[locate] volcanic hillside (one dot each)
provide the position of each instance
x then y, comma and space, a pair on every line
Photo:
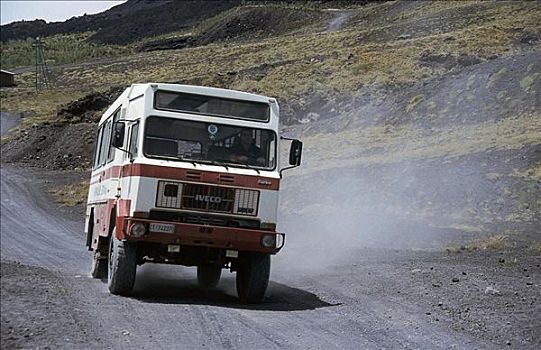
124, 23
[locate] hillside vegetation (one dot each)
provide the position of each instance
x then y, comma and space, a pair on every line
60, 49
384, 46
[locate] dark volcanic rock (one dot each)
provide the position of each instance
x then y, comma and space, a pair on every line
167, 44
89, 107
259, 22
243, 24
124, 23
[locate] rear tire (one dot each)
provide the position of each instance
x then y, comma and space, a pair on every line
208, 276
253, 274
122, 266
99, 266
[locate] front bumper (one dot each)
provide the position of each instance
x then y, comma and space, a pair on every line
232, 238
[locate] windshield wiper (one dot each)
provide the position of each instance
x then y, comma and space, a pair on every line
177, 158
215, 162
246, 166
189, 161
239, 165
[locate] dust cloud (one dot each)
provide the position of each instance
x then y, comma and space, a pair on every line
346, 211
447, 183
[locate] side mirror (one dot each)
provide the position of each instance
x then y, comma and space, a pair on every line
119, 129
295, 153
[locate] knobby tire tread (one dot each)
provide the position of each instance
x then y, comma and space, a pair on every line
123, 278
253, 278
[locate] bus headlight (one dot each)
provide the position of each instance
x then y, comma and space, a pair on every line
137, 230
268, 241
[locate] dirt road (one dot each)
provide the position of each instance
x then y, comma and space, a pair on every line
8, 121
339, 18
367, 299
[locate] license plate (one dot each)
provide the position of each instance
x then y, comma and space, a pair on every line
173, 248
231, 254
161, 228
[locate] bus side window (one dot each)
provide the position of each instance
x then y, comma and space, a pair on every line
105, 140
97, 147
111, 149
134, 137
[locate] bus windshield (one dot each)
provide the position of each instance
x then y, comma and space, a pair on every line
212, 143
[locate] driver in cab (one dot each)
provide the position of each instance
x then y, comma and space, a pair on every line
245, 151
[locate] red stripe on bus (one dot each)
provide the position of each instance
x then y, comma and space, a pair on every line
161, 172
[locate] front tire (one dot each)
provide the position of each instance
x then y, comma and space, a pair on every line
122, 266
208, 276
253, 274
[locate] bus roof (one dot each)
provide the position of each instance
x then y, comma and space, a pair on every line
204, 90
138, 89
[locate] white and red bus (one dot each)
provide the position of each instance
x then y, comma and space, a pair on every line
187, 175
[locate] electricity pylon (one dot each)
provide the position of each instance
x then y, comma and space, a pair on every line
42, 72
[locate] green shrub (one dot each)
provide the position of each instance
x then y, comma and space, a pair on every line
59, 49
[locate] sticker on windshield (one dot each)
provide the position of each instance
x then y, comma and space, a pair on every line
213, 130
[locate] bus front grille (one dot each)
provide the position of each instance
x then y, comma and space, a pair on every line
201, 197
208, 198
